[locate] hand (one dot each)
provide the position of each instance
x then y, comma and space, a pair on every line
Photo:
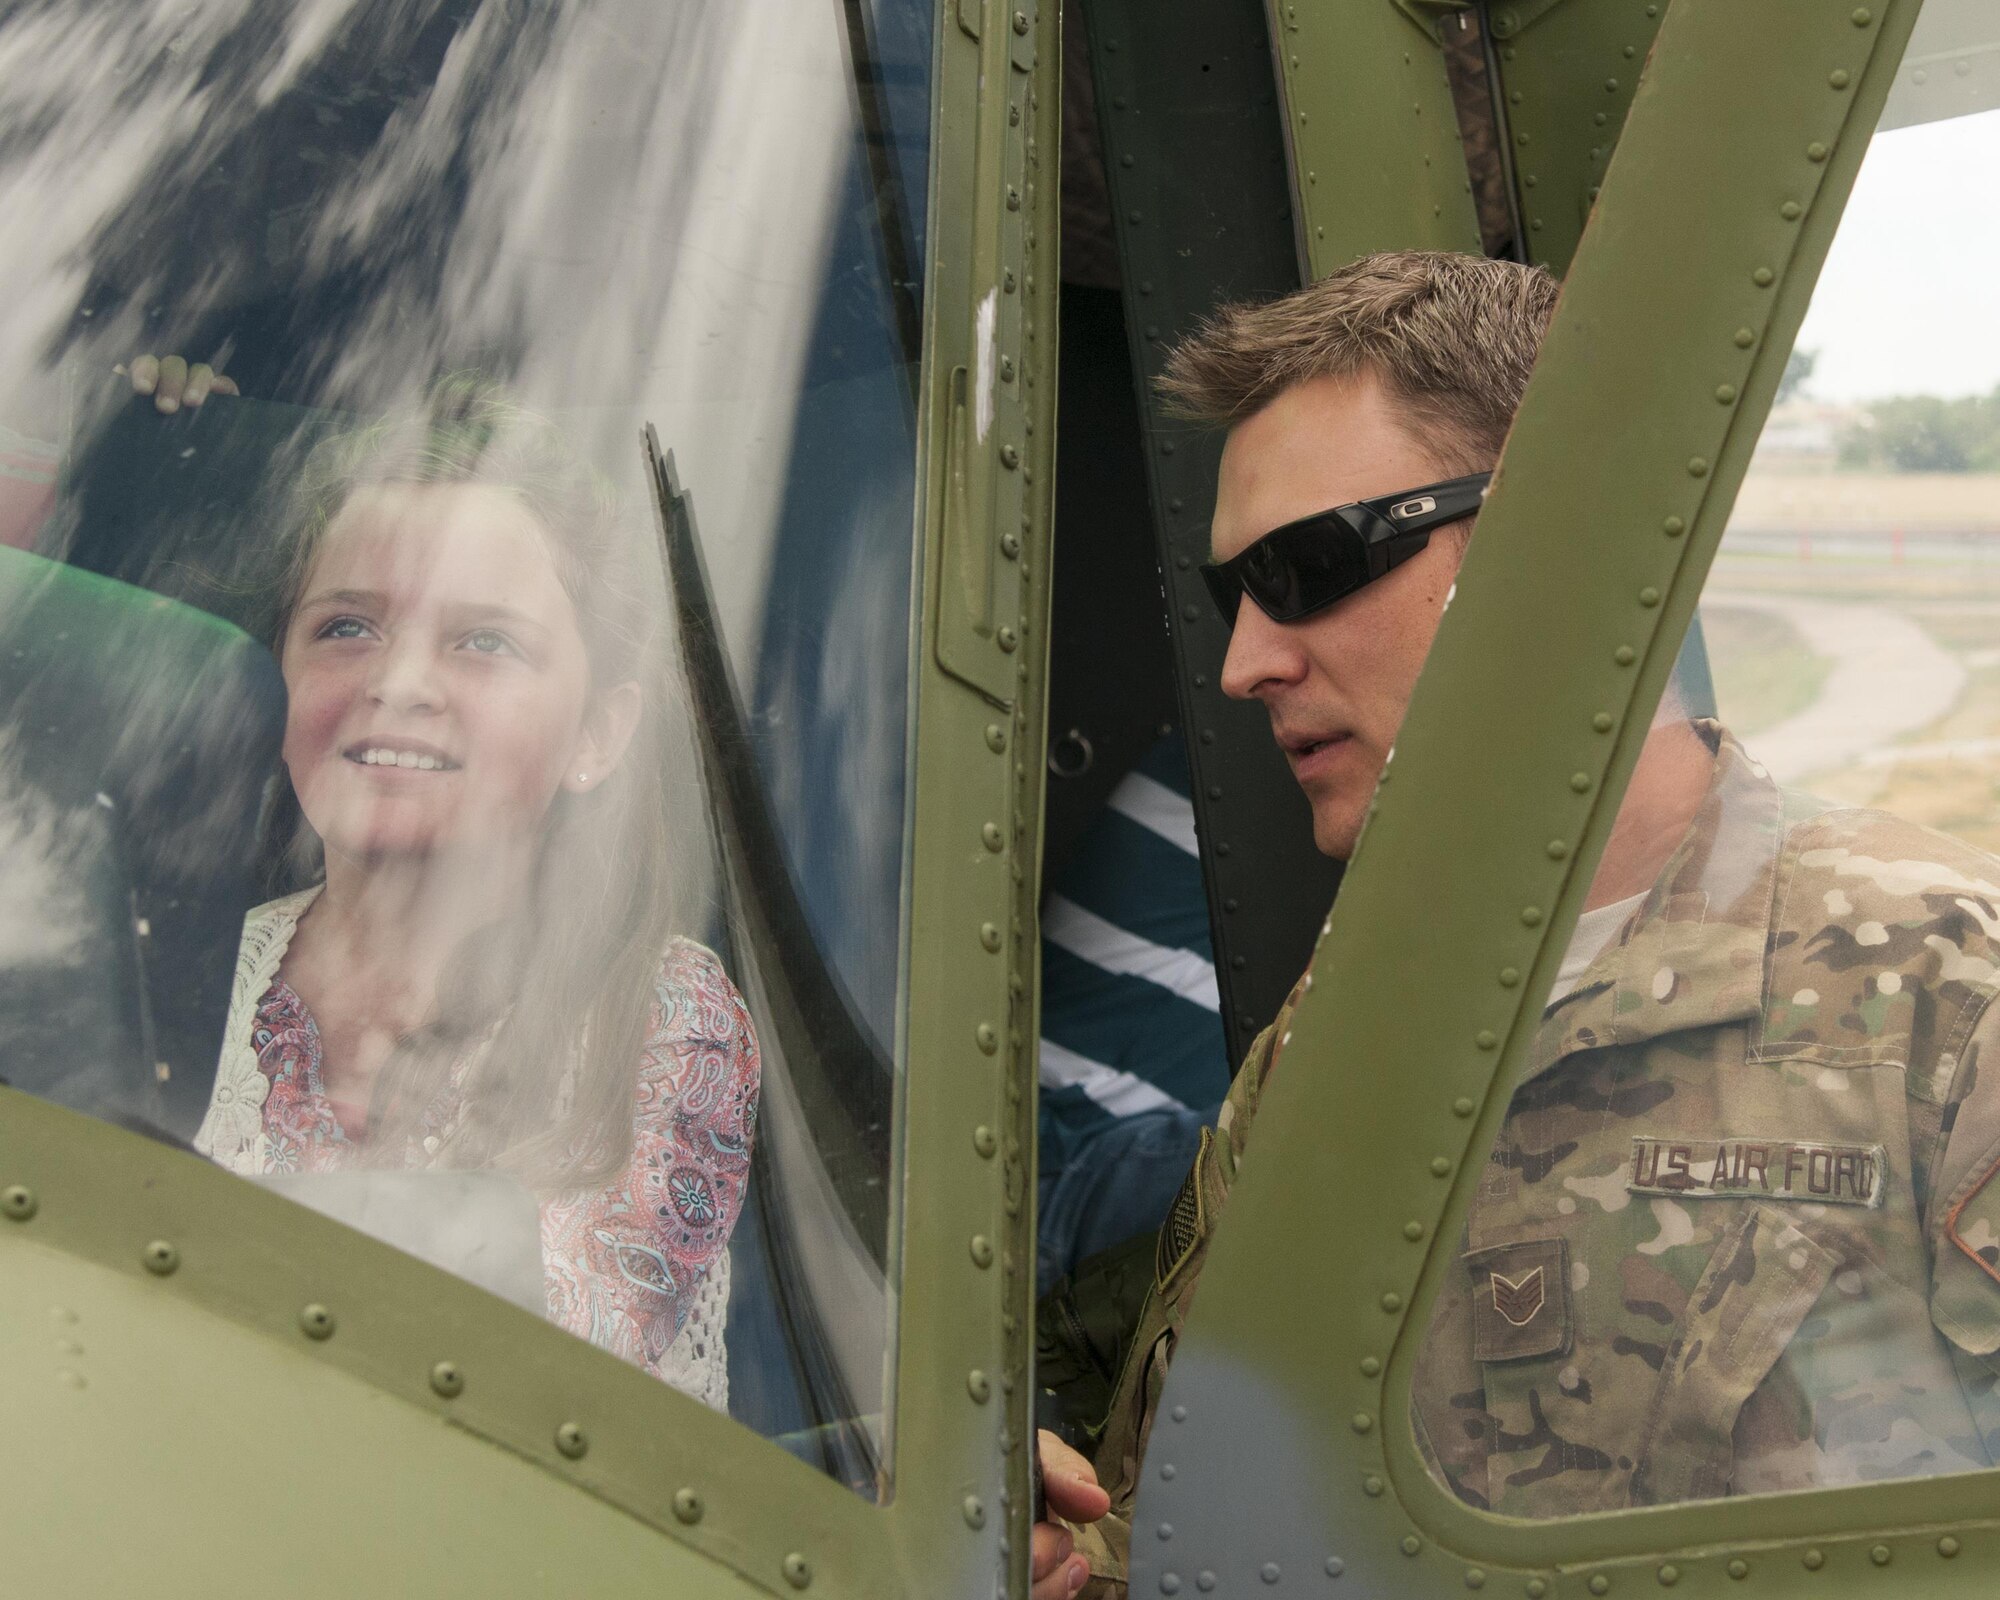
1072, 1490
173, 383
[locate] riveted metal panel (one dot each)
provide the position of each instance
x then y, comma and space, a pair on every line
1285, 1459
1567, 74
1193, 151
540, 1465
1376, 158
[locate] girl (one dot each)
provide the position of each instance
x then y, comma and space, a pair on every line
480, 972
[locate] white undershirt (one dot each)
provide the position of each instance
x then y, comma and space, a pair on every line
1594, 930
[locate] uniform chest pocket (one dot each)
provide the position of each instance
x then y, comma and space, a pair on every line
1763, 1278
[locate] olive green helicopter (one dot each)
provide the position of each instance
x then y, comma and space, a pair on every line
494, 489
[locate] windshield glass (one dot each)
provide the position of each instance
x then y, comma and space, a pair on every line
457, 515
1739, 1233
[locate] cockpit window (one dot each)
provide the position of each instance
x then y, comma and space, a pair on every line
456, 543
1738, 1232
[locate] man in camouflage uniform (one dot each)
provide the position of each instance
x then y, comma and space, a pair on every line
1739, 1232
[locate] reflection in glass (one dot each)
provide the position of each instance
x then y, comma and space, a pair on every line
1739, 1232
455, 257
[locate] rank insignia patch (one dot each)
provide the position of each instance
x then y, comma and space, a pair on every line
1759, 1169
1518, 1299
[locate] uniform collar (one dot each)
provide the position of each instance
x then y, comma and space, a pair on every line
1692, 955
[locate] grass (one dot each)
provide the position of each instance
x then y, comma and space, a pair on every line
1764, 669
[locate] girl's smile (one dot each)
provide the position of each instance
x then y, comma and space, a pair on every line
440, 687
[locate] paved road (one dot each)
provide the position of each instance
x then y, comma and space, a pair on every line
1889, 678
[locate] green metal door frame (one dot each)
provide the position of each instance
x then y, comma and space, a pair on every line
209, 1307
1686, 292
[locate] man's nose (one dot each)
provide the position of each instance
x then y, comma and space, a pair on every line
1262, 655
406, 677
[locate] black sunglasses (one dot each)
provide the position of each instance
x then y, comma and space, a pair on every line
1305, 566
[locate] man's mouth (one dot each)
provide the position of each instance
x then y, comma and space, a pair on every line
1303, 747
408, 755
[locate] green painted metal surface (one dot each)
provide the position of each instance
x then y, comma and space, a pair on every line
216, 1445
1376, 158
1688, 280
1567, 75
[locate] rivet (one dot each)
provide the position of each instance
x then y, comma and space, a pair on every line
1610, 85
1413, 1230
1370, 1366
1815, 151
1486, 1039
988, 1039
1463, 1106
1010, 544
1363, 1422
1335, 1566
1580, 782
1135, 217
1697, 466
991, 835
1009, 456
572, 1441
1170, 1583
1791, 211
975, 1511
1880, 1555
1006, 638
1509, 976
1166, 447
1813, 1560
1763, 277
1411, 1544
1440, 1167
1861, 17
447, 1380
1475, 1577
1947, 1546
1739, 1568
1557, 849
1649, 597
687, 1505
18, 1202
798, 1571
1624, 655
1166, 1472
982, 1250
1371, 1486
1603, 722
989, 938
1179, 1413
1269, 1572
160, 1257
984, 1141
996, 737
1537, 1587
1531, 916
1837, 79
1392, 1302
979, 1386
1190, 612
1205, 1581
1669, 1575
1600, 1584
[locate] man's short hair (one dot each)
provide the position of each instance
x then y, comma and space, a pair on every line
1451, 337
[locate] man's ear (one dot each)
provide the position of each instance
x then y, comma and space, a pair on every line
607, 733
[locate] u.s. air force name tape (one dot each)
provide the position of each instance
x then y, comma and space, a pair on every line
1751, 1169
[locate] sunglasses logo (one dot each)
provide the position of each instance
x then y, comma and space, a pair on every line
1413, 508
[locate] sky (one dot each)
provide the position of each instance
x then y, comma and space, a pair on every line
1909, 300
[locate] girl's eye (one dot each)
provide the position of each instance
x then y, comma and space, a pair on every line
343, 628
488, 642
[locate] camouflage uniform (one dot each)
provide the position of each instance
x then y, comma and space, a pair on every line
1739, 1231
